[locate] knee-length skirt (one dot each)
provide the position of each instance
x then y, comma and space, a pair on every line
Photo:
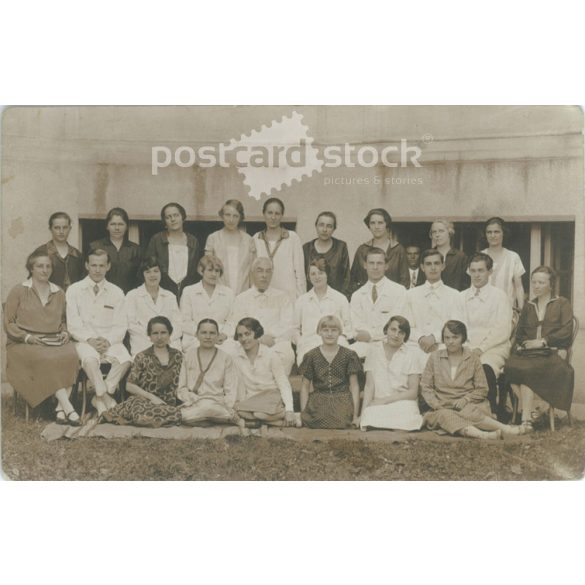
38, 371
453, 421
402, 415
551, 377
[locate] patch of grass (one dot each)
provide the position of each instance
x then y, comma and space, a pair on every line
542, 456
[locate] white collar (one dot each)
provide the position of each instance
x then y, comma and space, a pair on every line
433, 287
53, 288
313, 295
89, 283
483, 292
162, 292
379, 285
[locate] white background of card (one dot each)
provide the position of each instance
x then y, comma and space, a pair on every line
343, 53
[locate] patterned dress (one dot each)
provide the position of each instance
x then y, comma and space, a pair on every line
149, 374
330, 404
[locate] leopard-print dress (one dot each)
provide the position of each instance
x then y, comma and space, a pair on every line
149, 374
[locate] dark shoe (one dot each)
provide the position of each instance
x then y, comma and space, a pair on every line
60, 418
74, 422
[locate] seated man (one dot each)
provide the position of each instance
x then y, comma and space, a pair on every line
67, 260
430, 305
487, 313
375, 302
417, 276
96, 319
271, 306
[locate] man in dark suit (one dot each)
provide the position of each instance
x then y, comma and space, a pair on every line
417, 276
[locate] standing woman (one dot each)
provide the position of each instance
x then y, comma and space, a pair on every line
233, 246
379, 222
535, 371
124, 255
334, 251
455, 272
147, 301
152, 383
176, 251
508, 268
284, 248
40, 360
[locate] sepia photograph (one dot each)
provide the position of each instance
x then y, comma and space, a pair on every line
304, 292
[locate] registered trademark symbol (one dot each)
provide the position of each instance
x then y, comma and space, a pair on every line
427, 138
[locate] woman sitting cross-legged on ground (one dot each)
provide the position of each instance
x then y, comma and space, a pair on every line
40, 360
153, 382
208, 383
455, 387
265, 394
539, 376
332, 370
392, 380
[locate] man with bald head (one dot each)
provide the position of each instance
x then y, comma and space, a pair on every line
271, 306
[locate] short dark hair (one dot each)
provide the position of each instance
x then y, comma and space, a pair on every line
40, 253
97, 252
207, 320
160, 320
482, 257
431, 252
321, 264
172, 204
148, 263
118, 211
59, 215
456, 328
375, 251
328, 214
378, 211
273, 200
237, 205
403, 325
552, 275
251, 324
499, 221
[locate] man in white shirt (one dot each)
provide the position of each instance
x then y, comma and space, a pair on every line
430, 305
487, 313
415, 271
96, 319
272, 307
375, 302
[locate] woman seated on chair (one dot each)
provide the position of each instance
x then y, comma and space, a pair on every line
455, 388
40, 360
392, 379
152, 383
208, 383
265, 394
539, 376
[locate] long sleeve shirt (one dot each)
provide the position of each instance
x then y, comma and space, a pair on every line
428, 306
273, 308
140, 309
219, 383
266, 373
556, 328
370, 316
102, 315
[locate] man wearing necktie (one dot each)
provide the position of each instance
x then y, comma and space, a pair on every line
97, 321
269, 305
488, 316
430, 305
417, 276
375, 302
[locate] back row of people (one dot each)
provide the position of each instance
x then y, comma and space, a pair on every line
178, 253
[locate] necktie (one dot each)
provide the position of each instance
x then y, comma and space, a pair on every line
96, 289
374, 294
413, 279
477, 291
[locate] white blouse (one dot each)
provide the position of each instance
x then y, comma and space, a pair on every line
178, 262
505, 270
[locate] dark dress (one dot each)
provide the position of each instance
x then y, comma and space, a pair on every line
397, 266
455, 272
549, 376
66, 270
159, 248
125, 263
338, 259
330, 405
149, 374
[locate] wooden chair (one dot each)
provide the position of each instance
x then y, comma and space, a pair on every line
567, 355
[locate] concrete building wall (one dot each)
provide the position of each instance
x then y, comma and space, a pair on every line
523, 163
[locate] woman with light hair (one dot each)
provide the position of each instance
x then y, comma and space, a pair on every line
455, 272
233, 246
330, 389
